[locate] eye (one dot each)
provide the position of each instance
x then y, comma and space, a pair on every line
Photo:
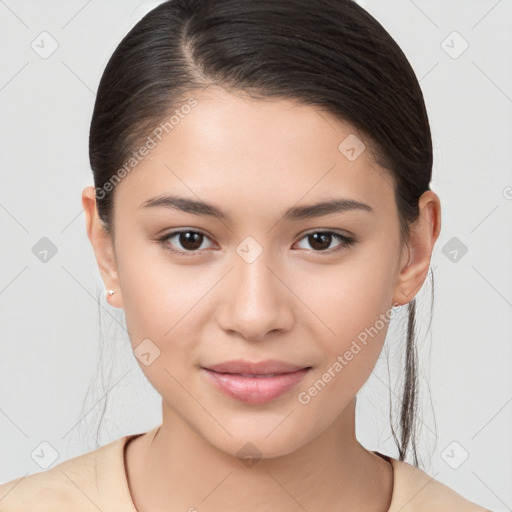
188, 239
191, 241
321, 240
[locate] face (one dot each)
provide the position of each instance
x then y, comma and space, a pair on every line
261, 275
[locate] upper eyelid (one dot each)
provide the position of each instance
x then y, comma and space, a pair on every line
197, 230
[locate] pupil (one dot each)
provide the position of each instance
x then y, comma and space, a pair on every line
326, 238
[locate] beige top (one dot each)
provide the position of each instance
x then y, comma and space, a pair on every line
96, 481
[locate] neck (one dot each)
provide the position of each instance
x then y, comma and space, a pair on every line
177, 469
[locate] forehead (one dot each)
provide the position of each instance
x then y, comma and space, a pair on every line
257, 153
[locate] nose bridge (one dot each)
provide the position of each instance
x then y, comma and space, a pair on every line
257, 301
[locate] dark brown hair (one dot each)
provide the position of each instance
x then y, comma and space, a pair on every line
330, 54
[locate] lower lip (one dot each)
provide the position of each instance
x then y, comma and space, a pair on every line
255, 390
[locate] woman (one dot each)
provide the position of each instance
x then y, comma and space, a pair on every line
261, 208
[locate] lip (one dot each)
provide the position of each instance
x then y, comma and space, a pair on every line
255, 382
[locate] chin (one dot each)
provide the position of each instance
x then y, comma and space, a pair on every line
255, 443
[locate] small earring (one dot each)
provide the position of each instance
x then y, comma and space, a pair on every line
110, 292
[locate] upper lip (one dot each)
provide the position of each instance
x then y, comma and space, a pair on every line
254, 368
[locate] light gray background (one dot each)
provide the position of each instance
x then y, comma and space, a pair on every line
50, 312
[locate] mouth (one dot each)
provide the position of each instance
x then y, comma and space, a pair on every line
242, 367
255, 383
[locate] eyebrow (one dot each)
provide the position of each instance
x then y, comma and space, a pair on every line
294, 213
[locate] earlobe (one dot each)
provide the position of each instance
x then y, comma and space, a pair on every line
102, 244
423, 236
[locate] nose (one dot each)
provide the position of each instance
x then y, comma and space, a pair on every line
255, 300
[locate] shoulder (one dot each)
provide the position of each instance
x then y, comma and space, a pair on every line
85, 483
415, 491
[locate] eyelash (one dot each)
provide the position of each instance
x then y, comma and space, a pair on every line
347, 241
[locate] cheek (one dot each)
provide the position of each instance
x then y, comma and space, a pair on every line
352, 306
350, 295
163, 311
160, 297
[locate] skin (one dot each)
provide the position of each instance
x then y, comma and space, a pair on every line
254, 159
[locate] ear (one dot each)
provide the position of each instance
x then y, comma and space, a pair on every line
418, 251
103, 247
